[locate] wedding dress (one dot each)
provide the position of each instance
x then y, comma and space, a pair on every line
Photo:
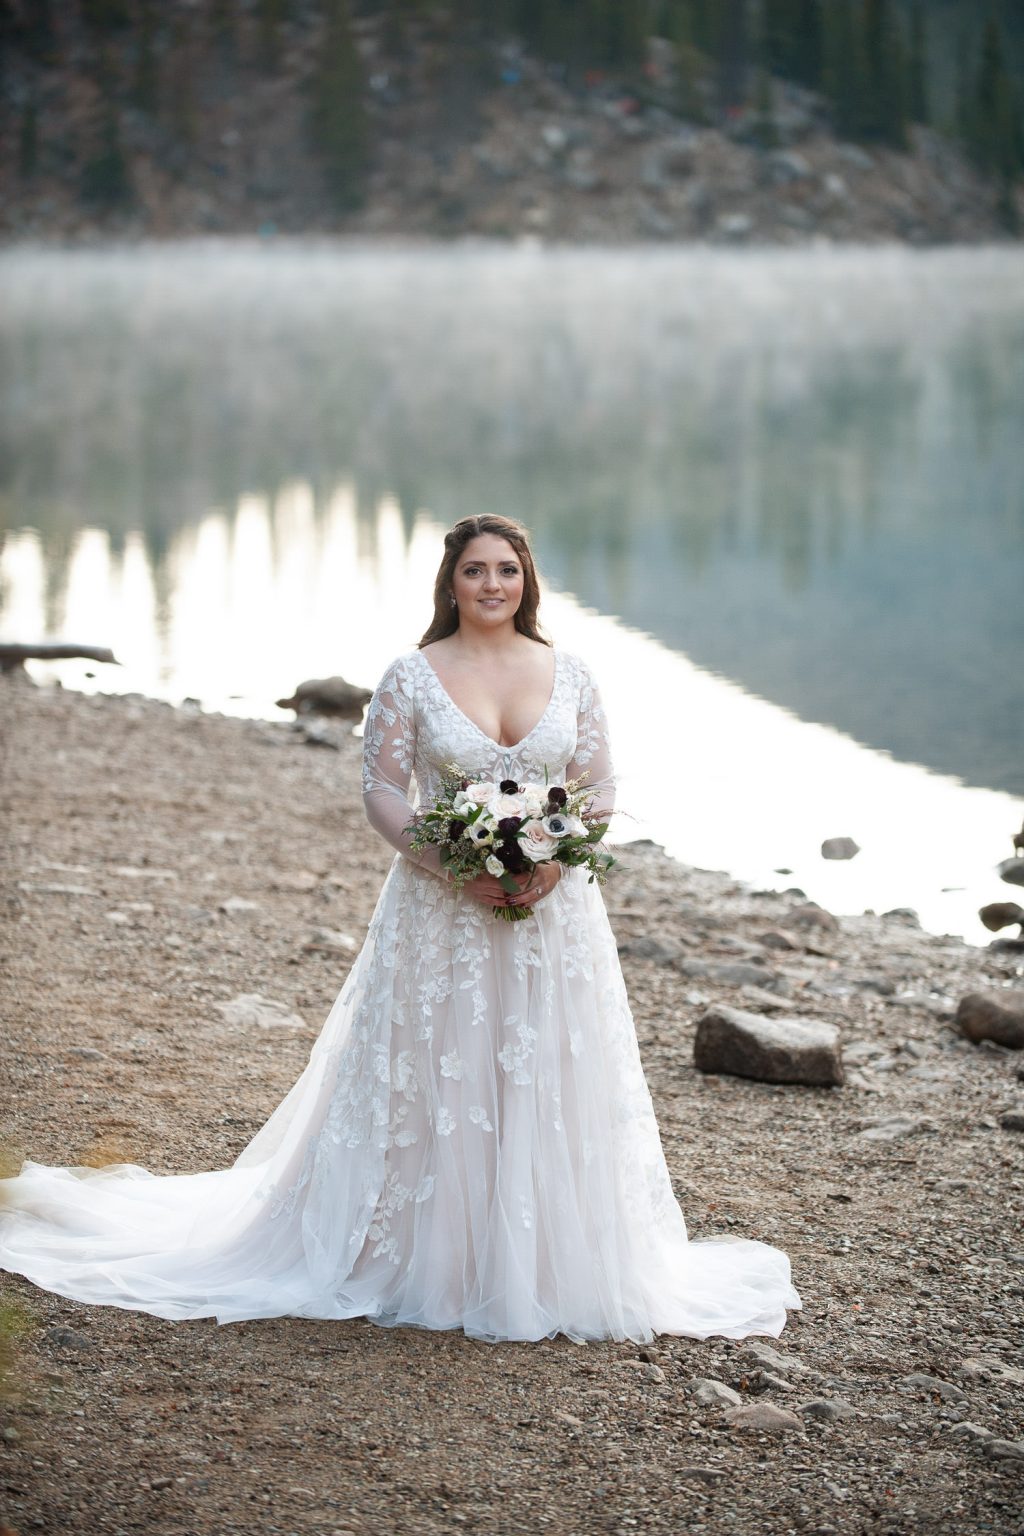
472, 1143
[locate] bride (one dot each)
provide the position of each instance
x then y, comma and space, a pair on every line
472, 1143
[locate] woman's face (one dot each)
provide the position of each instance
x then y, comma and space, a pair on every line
487, 581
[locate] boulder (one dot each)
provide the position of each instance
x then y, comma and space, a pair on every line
714, 1394
250, 1009
782, 1050
810, 915
996, 1016
839, 848
1012, 871
327, 696
763, 1416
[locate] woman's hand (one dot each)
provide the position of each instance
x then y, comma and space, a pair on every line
539, 882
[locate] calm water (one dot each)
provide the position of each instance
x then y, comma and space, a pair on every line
778, 497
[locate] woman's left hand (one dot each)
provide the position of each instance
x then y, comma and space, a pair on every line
540, 882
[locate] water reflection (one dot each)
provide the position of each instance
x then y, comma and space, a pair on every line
803, 470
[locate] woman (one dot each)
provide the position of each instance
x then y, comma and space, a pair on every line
472, 1143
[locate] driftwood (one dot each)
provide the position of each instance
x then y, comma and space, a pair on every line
13, 655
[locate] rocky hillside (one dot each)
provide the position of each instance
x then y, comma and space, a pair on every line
206, 133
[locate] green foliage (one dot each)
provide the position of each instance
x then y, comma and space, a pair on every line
338, 120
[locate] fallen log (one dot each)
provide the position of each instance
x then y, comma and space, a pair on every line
14, 655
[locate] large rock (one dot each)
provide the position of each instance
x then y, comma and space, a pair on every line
1012, 871
763, 1416
769, 1050
997, 1016
327, 696
839, 848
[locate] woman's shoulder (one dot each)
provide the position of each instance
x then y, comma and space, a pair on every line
400, 672
575, 666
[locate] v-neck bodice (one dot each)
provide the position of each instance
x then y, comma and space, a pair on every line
500, 745
414, 729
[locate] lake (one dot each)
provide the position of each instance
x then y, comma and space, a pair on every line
777, 497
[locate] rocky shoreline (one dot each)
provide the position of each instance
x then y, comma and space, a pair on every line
162, 864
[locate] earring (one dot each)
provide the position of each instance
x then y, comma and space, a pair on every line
451, 599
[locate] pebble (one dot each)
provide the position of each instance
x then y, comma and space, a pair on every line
1012, 1120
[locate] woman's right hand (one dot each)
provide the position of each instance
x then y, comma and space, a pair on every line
486, 888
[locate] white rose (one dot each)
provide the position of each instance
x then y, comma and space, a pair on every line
536, 842
482, 793
507, 805
494, 866
534, 800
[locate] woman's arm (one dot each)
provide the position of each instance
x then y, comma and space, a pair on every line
389, 749
593, 754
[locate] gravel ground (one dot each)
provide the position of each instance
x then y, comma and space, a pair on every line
896, 1394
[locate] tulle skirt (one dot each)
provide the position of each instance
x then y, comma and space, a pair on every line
472, 1145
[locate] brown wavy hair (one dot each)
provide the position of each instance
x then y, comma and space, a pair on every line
446, 618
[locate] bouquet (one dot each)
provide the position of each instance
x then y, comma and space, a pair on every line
507, 829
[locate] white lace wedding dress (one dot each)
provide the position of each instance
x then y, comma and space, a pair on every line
472, 1143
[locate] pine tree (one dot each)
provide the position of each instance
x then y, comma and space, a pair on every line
766, 132
776, 34
993, 131
731, 54
28, 141
106, 15
40, 32
106, 180
843, 67
883, 99
338, 120
689, 96
184, 116
806, 58
145, 88
271, 15
917, 67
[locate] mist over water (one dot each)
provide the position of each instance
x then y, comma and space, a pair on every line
800, 471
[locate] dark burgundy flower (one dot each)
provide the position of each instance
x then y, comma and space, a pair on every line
513, 858
557, 796
455, 830
508, 826
509, 787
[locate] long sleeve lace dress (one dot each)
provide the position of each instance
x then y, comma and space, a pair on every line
472, 1143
